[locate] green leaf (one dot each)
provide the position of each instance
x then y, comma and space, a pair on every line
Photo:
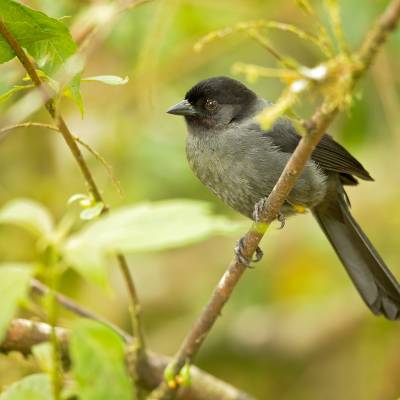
73, 91
46, 39
28, 214
43, 354
107, 79
17, 88
153, 226
32, 387
98, 362
14, 283
90, 263
145, 227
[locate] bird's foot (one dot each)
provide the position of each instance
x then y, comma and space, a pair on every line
259, 255
258, 208
282, 219
245, 260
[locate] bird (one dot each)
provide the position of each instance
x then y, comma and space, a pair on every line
240, 163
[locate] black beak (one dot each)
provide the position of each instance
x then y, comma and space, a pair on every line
182, 108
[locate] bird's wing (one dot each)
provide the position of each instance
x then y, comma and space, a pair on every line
328, 154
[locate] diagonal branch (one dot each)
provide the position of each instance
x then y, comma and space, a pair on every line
314, 128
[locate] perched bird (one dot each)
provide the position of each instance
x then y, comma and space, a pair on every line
240, 163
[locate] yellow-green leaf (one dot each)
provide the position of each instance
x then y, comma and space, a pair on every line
29, 215
32, 387
98, 362
14, 283
46, 39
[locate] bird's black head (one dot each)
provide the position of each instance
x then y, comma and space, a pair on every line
215, 101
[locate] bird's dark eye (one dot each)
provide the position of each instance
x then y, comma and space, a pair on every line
211, 105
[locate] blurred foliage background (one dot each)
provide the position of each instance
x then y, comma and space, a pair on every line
295, 327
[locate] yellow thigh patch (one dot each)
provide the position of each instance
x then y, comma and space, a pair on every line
299, 208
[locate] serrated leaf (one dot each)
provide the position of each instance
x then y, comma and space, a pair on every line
15, 89
29, 215
46, 39
107, 79
14, 283
98, 362
32, 387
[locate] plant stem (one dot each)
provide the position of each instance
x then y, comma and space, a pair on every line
51, 273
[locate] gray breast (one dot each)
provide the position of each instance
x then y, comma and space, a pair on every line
242, 167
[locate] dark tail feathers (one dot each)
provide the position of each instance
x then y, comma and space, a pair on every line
372, 278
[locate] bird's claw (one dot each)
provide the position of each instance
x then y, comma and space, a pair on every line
258, 208
282, 219
245, 260
259, 255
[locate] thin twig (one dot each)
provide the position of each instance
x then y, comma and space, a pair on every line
4, 132
94, 27
107, 166
134, 306
268, 25
306, 6
7, 129
315, 127
263, 42
88, 33
334, 12
41, 289
50, 106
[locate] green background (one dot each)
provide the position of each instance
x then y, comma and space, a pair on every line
295, 327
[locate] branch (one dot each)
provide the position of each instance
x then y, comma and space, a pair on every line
134, 306
23, 334
315, 127
42, 290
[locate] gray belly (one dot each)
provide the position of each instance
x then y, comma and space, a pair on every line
242, 172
